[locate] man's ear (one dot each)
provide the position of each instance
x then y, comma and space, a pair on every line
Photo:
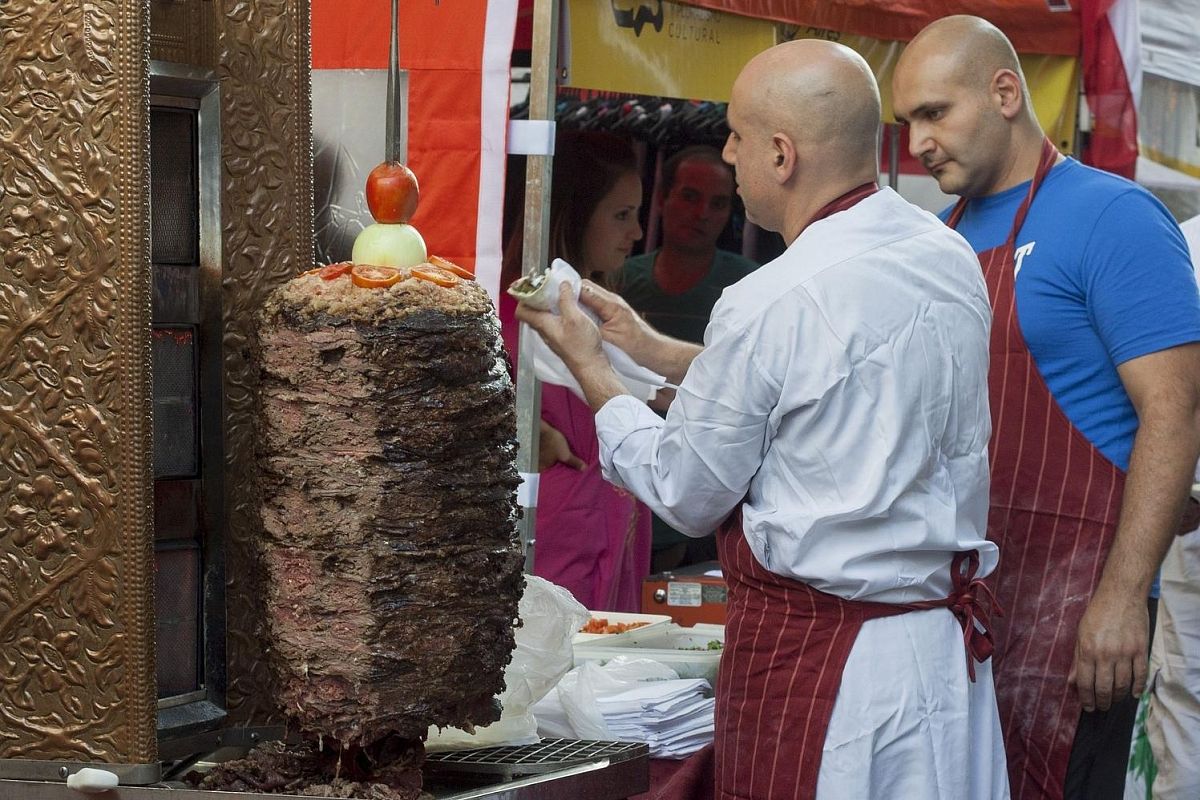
1008, 93
786, 157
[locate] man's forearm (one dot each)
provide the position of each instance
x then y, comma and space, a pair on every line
598, 381
669, 357
1157, 485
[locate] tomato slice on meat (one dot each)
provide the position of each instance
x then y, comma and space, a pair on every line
433, 274
450, 266
331, 271
369, 277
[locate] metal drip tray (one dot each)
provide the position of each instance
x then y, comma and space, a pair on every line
555, 769
549, 755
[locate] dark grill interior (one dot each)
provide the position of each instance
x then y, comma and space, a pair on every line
175, 344
173, 193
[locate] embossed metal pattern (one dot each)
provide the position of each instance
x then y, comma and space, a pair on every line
264, 64
76, 605
182, 31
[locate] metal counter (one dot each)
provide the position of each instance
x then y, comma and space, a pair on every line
555, 769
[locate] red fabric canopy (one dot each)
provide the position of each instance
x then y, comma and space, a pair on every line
1078, 28
1059, 27
1032, 25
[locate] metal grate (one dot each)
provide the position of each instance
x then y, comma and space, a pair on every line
174, 198
533, 759
173, 356
177, 612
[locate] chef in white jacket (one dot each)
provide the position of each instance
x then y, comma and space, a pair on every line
834, 429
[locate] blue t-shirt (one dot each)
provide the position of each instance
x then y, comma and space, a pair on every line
1103, 277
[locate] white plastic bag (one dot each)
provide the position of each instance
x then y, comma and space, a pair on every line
571, 711
550, 616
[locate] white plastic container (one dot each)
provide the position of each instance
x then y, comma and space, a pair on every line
669, 645
652, 623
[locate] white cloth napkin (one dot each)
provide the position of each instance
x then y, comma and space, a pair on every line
642, 383
631, 699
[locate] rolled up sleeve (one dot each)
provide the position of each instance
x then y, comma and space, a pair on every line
694, 467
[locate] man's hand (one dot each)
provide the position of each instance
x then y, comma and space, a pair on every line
619, 323
622, 326
1110, 653
554, 449
570, 334
575, 339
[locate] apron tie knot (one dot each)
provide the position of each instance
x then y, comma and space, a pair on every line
974, 616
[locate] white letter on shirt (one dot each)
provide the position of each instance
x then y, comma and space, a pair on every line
1020, 254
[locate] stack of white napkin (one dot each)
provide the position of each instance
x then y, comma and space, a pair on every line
630, 700
674, 717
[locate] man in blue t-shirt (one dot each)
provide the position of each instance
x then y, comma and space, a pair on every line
1093, 290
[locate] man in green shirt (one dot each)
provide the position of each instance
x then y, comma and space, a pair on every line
676, 286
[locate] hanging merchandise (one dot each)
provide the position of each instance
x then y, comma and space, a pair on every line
665, 123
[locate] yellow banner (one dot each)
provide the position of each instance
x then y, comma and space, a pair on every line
1053, 81
658, 48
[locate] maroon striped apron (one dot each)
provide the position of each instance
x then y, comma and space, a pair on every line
786, 645
1055, 500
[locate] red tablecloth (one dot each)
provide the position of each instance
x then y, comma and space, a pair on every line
690, 779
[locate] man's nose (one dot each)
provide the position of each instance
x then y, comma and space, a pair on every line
919, 141
727, 152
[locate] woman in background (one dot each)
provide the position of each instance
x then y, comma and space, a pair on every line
592, 538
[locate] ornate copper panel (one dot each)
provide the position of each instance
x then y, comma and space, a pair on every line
264, 62
183, 31
76, 605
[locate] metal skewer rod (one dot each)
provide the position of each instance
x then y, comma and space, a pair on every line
396, 144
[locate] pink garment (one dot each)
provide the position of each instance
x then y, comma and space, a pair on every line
592, 538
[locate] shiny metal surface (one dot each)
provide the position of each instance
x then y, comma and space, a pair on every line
264, 62
76, 567
349, 111
548, 755
396, 131
605, 779
19, 769
600, 780
206, 742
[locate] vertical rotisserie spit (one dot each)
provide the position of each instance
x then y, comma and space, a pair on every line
386, 449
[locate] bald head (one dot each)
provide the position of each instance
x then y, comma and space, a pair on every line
963, 50
821, 94
804, 129
959, 88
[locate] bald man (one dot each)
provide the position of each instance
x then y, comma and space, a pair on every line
1095, 398
833, 430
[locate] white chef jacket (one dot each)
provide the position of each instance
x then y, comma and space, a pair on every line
842, 392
